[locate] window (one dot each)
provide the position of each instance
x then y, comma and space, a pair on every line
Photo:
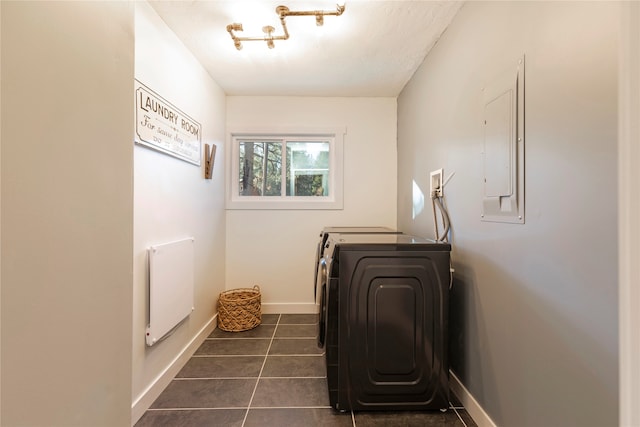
285, 171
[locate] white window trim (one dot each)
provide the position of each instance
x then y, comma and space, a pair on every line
336, 153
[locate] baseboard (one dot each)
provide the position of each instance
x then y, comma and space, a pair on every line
151, 393
472, 406
290, 308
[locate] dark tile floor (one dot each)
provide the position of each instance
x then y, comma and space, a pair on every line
273, 375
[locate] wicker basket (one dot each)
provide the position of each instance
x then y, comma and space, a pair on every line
239, 309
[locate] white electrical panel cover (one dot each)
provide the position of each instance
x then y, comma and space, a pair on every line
503, 147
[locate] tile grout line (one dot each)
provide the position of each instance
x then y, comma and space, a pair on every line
225, 355
257, 355
298, 354
291, 407
245, 378
224, 408
257, 338
264, 362
459, 417
197, 408
214, 378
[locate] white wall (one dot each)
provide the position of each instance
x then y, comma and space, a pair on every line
67, 204
172, 200
629, 214
0, 223
534, 306
276, 249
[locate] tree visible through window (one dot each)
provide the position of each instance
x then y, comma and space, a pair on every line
260, 168
306, 168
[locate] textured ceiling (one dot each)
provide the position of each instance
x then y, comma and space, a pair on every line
373, 49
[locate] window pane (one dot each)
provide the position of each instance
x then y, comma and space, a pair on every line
308, 168
260, 168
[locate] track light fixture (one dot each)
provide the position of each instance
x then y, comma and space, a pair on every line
283, 12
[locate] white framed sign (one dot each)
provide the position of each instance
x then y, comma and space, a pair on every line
164, 127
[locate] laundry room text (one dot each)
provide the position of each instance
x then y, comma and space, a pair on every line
162, 126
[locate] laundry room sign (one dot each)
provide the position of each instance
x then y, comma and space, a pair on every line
162, 126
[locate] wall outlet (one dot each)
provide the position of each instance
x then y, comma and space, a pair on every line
436, 183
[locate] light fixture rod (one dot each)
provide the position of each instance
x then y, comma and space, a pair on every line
339, 11
283, 12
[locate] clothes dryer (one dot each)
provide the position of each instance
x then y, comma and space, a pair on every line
386, 310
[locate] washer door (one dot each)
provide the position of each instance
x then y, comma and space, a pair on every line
316, 267
321, 296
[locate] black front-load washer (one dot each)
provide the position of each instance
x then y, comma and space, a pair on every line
320, 264
386, 322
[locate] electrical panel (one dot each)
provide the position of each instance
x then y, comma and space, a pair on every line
503, 147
